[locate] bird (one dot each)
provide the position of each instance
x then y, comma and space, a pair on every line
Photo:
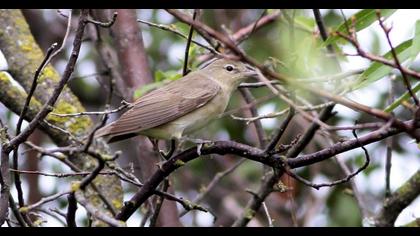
183, 106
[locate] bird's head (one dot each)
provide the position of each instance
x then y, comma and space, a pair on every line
229, 72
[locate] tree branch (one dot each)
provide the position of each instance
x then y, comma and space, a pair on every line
398, 201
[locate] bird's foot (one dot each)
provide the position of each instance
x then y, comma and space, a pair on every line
162, 153
160, 164
168, 154
199, 142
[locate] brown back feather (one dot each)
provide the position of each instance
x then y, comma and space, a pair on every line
163, 105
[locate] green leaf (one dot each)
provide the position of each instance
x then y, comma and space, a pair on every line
402, 98
376, 43
159, 76
168, 75
181, 27
415, 49
363, 19
305, 22
147, 88
378, 70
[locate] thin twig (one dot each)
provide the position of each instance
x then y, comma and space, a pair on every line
104, 24
187, 47
60, 175
216, 179
159, 203
18, 183
33, 87
60, 157
16, 212
257, 199
307, 80
43, 201
177, 32
146, 215
274, 141
101, 164
340, 181
257, 84
290, 102
94, 113
66, 35
68, 133
51, 212
395, 56
324, 35
249, 98
92, 134
282, 112
389, 144
360, 200
372, 125
267, 214
247, 106
254, 27
375, 58
244, 33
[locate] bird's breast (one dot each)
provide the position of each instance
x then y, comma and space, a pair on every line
203, 115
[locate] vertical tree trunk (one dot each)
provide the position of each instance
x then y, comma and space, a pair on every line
134, 72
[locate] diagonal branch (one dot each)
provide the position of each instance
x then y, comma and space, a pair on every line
398, 201
249, 152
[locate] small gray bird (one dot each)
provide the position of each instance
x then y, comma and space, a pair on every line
182, 106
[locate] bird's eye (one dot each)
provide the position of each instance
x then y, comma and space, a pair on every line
229, 67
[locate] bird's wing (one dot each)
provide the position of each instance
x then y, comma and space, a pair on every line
164, 105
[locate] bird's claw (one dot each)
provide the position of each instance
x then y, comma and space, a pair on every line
199, 146
163, 153
199, 142
160, 164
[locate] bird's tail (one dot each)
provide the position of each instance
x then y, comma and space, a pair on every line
110, 137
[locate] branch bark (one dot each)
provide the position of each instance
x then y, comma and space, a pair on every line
398, 201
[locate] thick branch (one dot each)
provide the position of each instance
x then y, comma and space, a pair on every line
398, 201
249, 152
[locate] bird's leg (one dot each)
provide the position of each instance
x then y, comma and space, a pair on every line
199, 142
170, 152
166, 156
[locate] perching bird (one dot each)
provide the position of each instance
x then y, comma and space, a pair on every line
182, 106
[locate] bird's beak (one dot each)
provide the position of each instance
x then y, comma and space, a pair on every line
250, 72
